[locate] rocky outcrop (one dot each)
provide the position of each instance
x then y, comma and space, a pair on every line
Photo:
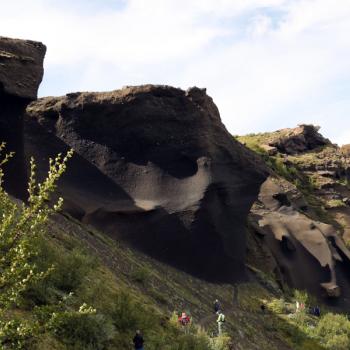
154, 167
301, 139
308, 254
21, 71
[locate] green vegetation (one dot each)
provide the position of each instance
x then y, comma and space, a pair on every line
335, 203
334, 331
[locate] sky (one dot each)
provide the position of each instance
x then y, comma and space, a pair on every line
268, 64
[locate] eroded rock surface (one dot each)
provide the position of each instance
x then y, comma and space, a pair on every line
21, 71
155, 167
309, 254
21, 67
296, 140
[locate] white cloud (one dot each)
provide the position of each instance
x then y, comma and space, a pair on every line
267, 63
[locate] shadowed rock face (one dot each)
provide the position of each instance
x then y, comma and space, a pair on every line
154, 166
21, 67
21, 71
309, 254
297, 140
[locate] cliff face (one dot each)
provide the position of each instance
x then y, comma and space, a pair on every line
303, 215
154, 167
21, 71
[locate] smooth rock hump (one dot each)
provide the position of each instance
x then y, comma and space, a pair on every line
155, 167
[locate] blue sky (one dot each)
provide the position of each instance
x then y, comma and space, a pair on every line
268, 64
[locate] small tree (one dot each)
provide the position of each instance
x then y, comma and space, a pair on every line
20, 225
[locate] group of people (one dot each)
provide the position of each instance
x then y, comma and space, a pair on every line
312, 310
185, 320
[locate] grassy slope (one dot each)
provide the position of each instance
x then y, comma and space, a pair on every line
155, 290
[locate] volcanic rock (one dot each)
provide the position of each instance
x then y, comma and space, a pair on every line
301, 139
21, 67
271, 151
21, 71
154, 167
310, 255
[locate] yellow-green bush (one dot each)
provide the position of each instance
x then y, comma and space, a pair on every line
334, 331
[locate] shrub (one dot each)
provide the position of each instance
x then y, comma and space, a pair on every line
301, 296
222, 342
129, 315
334, 331
16, 335
141, 275
192, 342
85, 329
68, 272
277, 306
20, 226
335, 203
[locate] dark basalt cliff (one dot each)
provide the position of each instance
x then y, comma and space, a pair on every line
155, 167
21, 71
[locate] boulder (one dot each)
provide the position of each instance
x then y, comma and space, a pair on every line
154, 167
270, 150
298, 140
21, 71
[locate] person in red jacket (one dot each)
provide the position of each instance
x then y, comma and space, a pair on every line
184, 319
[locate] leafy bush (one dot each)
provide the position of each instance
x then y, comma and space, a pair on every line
85, 329
301, 296
16, 335
69, 270
20, 226
277, 306
129, 315
334, 331
141, 275
222, 342
335, 203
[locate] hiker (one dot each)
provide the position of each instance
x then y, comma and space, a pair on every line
184, 319
138, 341
317, 311
263, 308
220, 321
217, 306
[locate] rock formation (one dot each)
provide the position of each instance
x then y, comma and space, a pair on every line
21, 71
303, 215
155, 167
309, 254
301, 139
